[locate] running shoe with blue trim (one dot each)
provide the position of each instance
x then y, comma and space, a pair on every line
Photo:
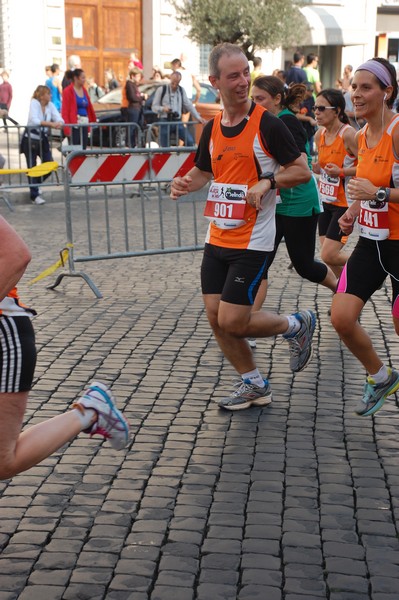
375, 394
111, 423
300, 344
247, 394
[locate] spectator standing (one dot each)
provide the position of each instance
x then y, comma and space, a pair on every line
55, 86
295, 73
189, 83
111, 83
134, 60
74, 62
77, 108
94, 90
132, 103
312, 73
170, 102
280, 75
307, 117
157, 74
5, 92
256, 71
347, 78
35, 143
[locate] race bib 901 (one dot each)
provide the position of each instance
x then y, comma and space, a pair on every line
225, 205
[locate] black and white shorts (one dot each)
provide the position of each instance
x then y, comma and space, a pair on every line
17, 354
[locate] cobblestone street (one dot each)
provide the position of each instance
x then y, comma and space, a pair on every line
295, 501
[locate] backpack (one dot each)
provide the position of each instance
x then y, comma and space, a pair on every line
150, 99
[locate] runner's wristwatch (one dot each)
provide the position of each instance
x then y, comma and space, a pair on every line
270, 176
382, 194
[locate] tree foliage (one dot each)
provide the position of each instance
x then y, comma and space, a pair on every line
252, 24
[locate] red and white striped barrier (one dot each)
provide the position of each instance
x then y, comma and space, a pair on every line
121, 168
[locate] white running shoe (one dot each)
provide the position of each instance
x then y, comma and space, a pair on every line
251, 342
111, 423
247, 394
38, 200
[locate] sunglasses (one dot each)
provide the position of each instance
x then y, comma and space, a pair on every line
323, 108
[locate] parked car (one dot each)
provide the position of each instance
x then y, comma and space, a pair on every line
108, 110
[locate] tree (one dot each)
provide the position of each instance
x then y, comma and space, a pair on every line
252, 24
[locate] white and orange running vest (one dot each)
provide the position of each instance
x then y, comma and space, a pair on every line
331, 189
380, 166
235, 160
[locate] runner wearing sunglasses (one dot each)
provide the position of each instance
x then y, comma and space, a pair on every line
337, 151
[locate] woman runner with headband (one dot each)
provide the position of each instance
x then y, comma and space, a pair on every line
376, 206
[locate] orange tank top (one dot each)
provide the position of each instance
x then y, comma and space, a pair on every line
380, 166
334, 153
235, 160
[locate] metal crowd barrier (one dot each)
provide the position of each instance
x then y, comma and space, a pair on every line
173, 133
117, 206
102, 136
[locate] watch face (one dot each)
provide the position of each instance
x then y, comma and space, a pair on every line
380, 198
381, 195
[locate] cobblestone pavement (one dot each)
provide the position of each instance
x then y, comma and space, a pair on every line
295, 501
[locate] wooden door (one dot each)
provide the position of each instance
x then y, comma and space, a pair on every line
103, 33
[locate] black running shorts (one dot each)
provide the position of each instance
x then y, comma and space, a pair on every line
234, 274
328, 222
367, 268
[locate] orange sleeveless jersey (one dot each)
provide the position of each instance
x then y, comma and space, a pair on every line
336, 153
381, 167
234, 160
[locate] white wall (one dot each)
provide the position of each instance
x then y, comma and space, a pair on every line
174, 41
34, 25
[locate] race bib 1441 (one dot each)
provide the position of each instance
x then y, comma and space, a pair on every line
373, 222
